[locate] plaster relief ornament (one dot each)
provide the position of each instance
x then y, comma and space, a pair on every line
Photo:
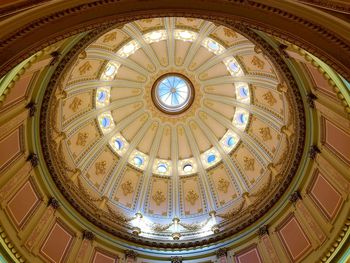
270, 99
110, 37
127, 188
192, 197
265, 133
82, 138
159, 119
258, 62
223, 185
101, 167
158, 197
248, 163
75, 104
229, 33
85, 68
148, 20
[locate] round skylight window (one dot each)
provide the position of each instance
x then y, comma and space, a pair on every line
188, 168
173, 93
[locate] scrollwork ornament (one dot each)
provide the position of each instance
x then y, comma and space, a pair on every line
194, 226
314, 150
310, 98
234, 212
222, 252
130, 254
31, 106
88, 235
160, 228
118, 216
33, 159
53, 202
294, 197
56, 56
263, 230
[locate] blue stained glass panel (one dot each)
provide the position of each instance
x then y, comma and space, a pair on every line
211, 158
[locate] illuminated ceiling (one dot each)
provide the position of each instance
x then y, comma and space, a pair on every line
205, 162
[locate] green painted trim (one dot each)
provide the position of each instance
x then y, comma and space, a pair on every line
5, 253
2, 260
346, 257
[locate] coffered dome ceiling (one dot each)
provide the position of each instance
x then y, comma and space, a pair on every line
172, 130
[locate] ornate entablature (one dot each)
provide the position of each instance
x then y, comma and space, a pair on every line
173, 129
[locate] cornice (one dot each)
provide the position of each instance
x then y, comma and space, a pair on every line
327, 4
327, 54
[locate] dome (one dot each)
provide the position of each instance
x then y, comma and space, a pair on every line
172, 130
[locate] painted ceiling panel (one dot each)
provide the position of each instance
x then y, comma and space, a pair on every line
111, 40
141, 58
181, 49
125, 73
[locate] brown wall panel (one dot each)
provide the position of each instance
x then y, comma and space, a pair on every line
325, 196
57, 243
10, 148
250, 255
23, 204
337, 140
294, 238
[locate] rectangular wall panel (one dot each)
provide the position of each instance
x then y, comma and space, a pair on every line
19, 91
23, 204
336, 140
250, 255
101, 256
320, 82
10, 148
294, 238
325, 196
57, 243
